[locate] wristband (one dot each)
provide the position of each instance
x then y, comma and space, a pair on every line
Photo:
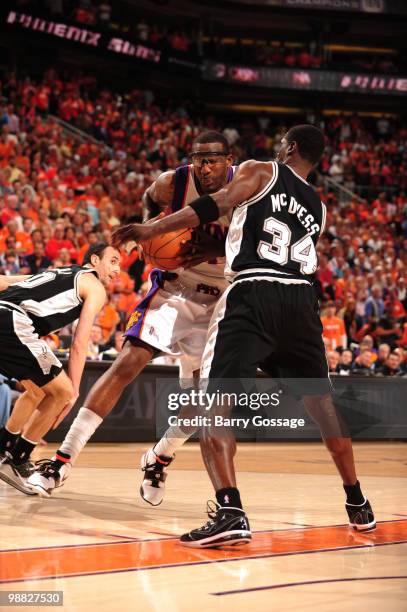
206, 209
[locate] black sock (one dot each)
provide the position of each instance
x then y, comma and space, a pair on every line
22, 450
7, 439
60, 459
228, 497
353, 494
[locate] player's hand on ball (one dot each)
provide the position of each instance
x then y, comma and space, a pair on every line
134, 231
202, 247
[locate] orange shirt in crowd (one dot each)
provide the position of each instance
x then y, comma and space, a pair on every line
124, 286
333, 332
82, 252
23, 241
108, 320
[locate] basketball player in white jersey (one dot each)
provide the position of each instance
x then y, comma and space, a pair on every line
172, 318
32, 307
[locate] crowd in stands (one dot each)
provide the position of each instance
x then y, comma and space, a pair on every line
200, 39
59, 194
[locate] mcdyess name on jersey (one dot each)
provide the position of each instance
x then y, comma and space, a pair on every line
279, 201
243, 423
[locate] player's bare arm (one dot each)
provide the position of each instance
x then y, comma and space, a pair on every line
6, 281
158, 196
250, 178
93, 295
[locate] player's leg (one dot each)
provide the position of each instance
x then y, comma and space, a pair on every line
156, 460
188, 335
307, 352
17, 468
322, 410
23, 409
235, 344
99, 402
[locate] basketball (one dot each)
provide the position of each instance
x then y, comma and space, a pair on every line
163, 251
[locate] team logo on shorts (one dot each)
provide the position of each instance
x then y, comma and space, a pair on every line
133, 319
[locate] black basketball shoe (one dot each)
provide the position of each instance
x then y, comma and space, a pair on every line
226, 527
361, 517
16, 475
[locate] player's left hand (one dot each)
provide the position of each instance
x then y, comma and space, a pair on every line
202, 247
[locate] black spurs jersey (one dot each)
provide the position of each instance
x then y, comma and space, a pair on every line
274, 233
49, 299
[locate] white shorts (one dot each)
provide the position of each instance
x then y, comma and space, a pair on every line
174, 316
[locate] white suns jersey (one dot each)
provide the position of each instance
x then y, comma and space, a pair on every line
207, 274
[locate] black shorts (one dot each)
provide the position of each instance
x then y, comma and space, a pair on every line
267, 324
23, 355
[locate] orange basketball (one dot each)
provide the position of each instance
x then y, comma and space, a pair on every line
163, 251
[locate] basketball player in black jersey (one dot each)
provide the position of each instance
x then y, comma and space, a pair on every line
269, 315
35, 306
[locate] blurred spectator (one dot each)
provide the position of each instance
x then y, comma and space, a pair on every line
363, 364
107, 320
333, 328
382, 355
391, 366
388, 331
333, 361
345, 363
37, 261
374, 306
95, 342
352, 321
58, 242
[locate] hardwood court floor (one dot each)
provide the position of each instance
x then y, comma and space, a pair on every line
107, 550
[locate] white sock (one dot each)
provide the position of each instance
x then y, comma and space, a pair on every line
171, 441
82, 428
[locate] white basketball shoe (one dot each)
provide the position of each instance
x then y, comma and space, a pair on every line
155, 472
49, 475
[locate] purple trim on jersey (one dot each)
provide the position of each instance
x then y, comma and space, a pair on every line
231, 172
180, 185
136, 319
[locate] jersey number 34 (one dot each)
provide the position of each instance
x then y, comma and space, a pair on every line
280, 249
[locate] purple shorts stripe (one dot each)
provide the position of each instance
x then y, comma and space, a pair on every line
180, 185
135, 322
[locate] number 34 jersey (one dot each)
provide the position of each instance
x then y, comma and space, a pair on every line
275, 233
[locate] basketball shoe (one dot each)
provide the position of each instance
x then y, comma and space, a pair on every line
155, 472
14, 474
49, 474
226, 527
361, 517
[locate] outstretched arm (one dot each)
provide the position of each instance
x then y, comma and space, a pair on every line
6, 281
249, 179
